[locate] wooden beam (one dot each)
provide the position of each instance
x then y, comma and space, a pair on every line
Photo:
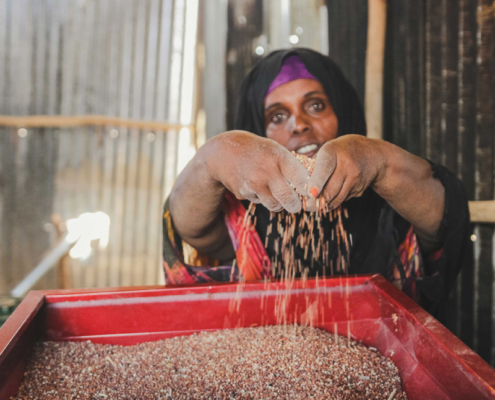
375, 55
63, 267
58, 121
482, 211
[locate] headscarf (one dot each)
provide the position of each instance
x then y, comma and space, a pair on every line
292, 69
250, 114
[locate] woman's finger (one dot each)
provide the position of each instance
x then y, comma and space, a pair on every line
292, 169
342, 195
262, 197
285, 194
268, 200
357, 191
334, 186
311, 204
325, 165
249, 194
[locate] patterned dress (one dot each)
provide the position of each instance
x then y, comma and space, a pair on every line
184, 265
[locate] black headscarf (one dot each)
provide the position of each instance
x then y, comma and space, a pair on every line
250, 114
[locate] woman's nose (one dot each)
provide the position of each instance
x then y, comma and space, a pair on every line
299, 125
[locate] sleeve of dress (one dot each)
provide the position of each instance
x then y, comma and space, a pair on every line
182, 264
456, 251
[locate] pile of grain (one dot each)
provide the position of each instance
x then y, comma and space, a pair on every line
251, 363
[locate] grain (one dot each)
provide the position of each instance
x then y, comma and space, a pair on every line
272, 362
309, 235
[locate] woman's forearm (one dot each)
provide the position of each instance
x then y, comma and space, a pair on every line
406, 182
195, 206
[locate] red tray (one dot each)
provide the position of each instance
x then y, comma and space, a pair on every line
433, 363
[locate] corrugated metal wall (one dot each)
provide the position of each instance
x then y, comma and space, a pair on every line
347, 21
245, 24
122, 58
72, 171
440, 104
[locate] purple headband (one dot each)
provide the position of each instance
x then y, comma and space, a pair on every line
292, 69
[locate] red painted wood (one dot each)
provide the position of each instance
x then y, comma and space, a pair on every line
17, 335
455, 367
433, 363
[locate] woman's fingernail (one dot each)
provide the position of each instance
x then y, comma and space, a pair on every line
314, 192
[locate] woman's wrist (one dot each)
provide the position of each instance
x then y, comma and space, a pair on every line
397, 168
196, 186
383, 164
206, 160
406, 182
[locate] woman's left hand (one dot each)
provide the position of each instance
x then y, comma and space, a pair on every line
345, 167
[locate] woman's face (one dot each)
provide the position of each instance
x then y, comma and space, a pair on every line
299, 116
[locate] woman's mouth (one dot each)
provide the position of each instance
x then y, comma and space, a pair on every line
308, 150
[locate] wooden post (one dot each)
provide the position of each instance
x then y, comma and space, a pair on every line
375, 52
482, 211
63, 267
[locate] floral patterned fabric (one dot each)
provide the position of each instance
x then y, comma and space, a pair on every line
184, 265
410, 257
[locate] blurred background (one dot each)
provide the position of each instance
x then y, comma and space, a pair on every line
103, 102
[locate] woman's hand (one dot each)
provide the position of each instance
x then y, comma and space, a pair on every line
257, 169
252, 168
345, 168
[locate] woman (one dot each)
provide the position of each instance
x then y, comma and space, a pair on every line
394, 213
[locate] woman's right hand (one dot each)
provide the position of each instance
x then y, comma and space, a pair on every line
257, 169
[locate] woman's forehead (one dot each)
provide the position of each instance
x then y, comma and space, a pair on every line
294, 91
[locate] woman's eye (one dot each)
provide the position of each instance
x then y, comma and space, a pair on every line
317, 106
278, 118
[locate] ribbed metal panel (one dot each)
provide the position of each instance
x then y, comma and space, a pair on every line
439, 104
76, 57
347, 21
